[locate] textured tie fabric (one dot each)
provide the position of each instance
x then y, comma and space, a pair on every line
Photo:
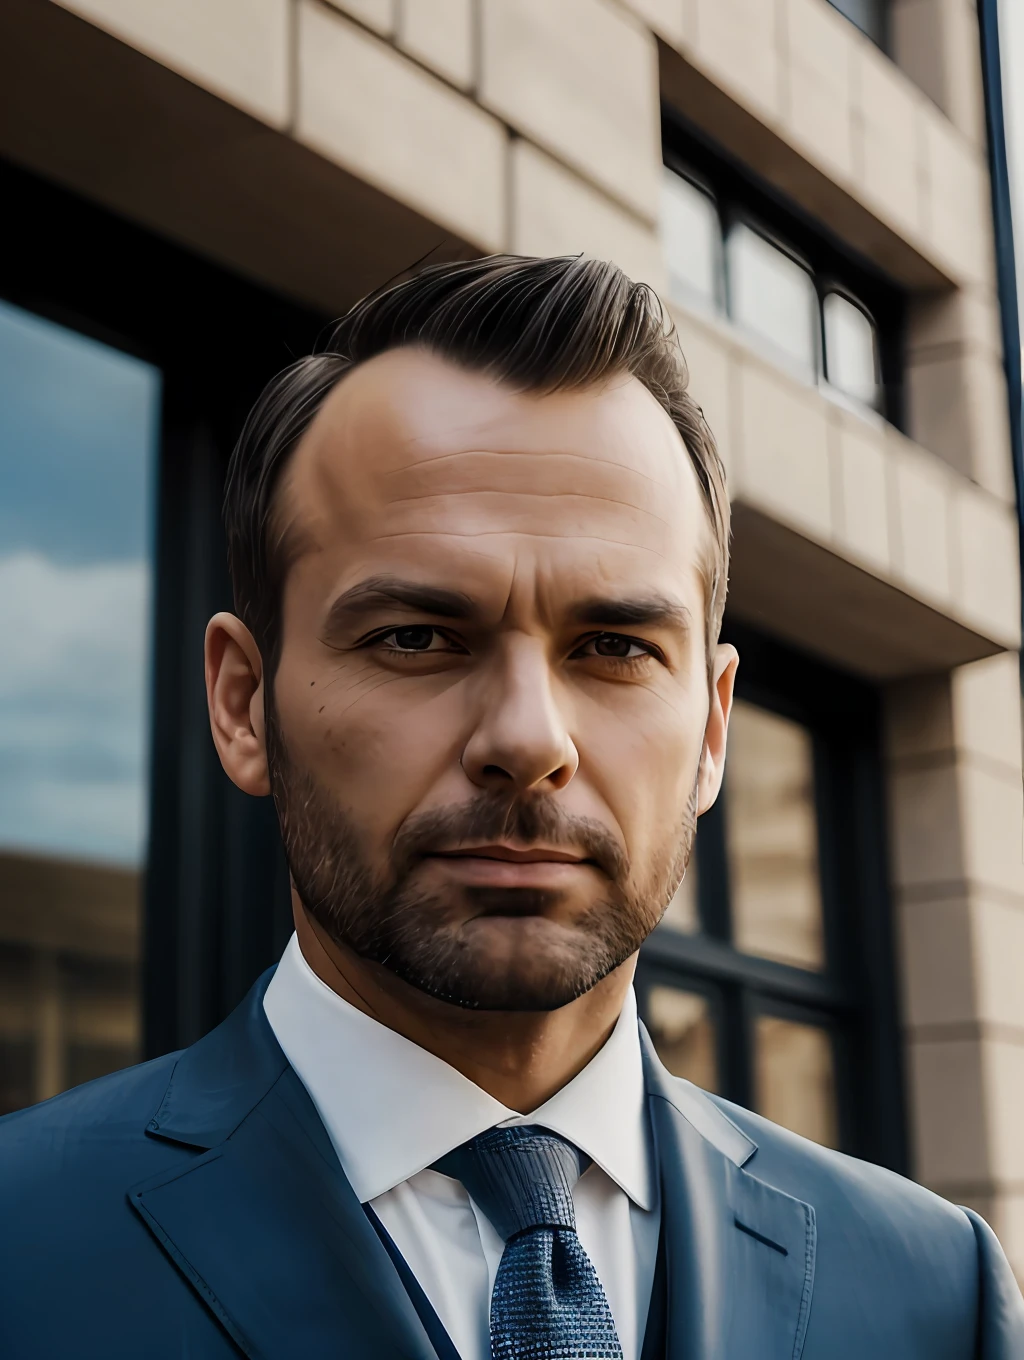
548, 1303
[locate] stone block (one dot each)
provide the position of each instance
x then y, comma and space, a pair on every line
862, 519
956, 211
986, 710
365, 106
580, 78
948, 1112
926, 829
918, 717
992, 828
819, 107
711, 361
887, 136
737, 45
937, 962
921, 522
987, 588
237, 49
440, 34
554, 212
667, 18
376, 14
784, 452
998, 947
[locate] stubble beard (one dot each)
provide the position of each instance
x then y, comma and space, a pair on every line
415, 933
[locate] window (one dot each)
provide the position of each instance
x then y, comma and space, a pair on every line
140, 893
869, 16
692, 242
851, 350
78, 429
809, 305
772, 297
769, 980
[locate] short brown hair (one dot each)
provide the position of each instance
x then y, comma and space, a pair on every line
541, 325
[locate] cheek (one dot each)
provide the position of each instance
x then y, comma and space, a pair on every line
644, 760
366, 738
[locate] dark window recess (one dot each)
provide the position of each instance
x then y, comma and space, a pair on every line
770, 980
870, 16
735, 248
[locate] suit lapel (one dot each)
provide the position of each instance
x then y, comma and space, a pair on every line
264, 1224
739, 1254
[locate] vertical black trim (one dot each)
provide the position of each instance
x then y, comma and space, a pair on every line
1006, 268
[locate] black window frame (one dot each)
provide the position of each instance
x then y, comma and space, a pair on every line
740, 195
855, 994
216, 900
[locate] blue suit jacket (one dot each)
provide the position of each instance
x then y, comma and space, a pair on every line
193, 1208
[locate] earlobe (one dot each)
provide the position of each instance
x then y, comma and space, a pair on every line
234, 695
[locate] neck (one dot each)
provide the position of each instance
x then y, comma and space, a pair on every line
521, 1058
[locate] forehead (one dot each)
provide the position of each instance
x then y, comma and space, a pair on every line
415, 462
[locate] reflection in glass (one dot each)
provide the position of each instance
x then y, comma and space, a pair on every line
682, 911
772, 838
691, 240
795, 1078
851, 356
773, 298
868, 15
78, 429
683, 1033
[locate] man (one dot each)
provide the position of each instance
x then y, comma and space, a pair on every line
479, 550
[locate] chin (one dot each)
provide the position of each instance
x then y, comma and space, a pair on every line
504, 963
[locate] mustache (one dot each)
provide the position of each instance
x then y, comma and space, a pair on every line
486, 819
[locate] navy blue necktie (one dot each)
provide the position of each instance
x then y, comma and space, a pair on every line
547, 1300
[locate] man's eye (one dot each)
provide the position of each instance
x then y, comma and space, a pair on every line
416, 638
614, 646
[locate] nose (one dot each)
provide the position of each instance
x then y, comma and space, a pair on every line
521, 741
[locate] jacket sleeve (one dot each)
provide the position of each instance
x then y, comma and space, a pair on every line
1000, 1306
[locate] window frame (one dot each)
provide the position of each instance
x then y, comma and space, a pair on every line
741, 195
855, 993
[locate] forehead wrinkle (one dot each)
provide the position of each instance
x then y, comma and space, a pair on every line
545, 495
588, 458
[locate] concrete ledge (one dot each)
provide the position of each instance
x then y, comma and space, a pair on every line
192, 167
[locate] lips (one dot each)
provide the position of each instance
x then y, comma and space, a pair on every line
511, 855
509, 866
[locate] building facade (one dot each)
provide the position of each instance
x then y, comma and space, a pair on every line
193, 189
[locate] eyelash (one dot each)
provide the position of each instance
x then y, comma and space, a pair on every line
630, 663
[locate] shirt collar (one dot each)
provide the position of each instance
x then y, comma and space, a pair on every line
391, 1108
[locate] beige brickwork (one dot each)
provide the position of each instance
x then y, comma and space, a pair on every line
400, 128
376, 14
555, 212
238, 49
440, 34
581, 79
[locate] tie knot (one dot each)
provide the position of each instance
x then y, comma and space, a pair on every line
521, 1177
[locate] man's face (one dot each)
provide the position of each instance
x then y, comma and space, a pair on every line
489, 713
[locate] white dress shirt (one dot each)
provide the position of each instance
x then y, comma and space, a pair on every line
391, 1109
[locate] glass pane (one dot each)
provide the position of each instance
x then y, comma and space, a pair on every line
851, 354
682, 911
78, 432
773, 298
772, 838
692, 242
795, 1078
683, 1033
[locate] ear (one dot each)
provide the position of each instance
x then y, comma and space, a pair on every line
712, 758
234, 694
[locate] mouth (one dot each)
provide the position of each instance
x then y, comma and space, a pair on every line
510, 866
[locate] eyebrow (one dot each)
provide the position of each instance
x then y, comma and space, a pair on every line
381, 592
657, 611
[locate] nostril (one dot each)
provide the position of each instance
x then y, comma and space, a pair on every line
496, 770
